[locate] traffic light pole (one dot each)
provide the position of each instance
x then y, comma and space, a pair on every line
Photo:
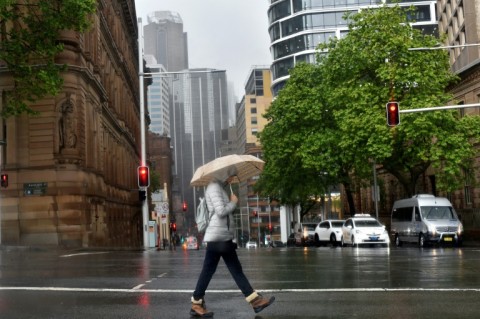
143, 156
438, 108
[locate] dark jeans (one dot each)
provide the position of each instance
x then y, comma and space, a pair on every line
226, 250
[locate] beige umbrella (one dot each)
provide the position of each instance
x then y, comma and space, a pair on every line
243, 166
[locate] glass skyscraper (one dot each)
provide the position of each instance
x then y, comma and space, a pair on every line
296, 27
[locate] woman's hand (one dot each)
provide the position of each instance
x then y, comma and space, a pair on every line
233, 198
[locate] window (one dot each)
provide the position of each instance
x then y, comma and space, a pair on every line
253, 101
254, 120
253, 110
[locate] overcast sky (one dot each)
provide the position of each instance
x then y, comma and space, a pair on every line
230, 35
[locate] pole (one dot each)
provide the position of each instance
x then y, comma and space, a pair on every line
258, 223
375, 195
143, 156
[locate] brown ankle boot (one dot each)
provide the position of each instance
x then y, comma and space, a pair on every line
258, 302
199, 309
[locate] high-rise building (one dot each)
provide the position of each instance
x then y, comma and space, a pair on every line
199, 114
264, 226
166, 41
158, 97
298, 26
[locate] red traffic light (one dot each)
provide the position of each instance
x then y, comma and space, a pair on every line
184, 206
143, 176
255, 213
4, 180
174, 226
393, 113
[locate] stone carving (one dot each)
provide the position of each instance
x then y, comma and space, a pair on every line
67, 125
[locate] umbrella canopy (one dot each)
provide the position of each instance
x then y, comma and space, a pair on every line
243, 166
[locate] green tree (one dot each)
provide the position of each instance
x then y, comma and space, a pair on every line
372, 65
330, 117
292, 119
29, 32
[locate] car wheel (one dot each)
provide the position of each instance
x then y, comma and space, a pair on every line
398, 242
353, 242
317, 241
421, 241
342, 243
333, 240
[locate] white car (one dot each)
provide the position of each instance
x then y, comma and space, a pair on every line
191, 243
329, 231
363, 229
251, 244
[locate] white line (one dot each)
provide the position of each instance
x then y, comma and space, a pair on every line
88, 253
136, 290
138, 287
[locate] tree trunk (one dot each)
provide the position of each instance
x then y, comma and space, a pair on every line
350, 201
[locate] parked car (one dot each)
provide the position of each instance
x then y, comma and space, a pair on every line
363, 229
191, 242
329, 231
251, 244
304, 234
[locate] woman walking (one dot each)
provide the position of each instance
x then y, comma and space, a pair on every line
219, 238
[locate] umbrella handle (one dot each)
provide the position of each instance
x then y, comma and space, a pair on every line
231, 191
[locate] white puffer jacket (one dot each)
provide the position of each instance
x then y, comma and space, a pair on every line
221, 208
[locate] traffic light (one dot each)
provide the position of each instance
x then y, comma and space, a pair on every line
4, 180
143, 176
142, 195
255, 214
393, 113
270, 228
184, 206
174, 227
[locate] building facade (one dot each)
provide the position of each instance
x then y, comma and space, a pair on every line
72, 168
259, 218
199, 114
296, 27
458, 19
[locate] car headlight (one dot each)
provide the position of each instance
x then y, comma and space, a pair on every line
432, 230
460, 229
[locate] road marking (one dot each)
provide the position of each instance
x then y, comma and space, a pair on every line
87, 253
137, 289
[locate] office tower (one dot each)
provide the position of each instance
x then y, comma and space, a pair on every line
199, 113
166, 41
296, 27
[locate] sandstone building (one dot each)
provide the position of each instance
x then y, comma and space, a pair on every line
72, 169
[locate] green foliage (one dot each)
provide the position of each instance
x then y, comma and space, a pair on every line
155, 183
29, 43
329, 120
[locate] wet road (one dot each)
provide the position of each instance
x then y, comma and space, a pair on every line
320, 282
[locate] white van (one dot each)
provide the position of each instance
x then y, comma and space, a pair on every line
425, 219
